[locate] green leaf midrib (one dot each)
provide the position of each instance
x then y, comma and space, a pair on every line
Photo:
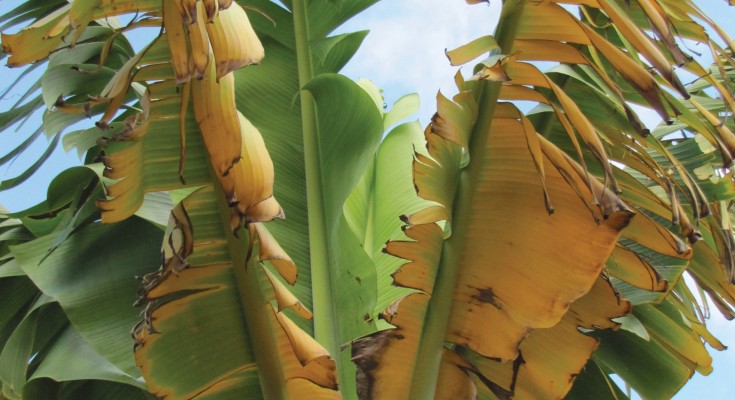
440, 305
325, 328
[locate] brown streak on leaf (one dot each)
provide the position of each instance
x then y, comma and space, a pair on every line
365, 355
486, 295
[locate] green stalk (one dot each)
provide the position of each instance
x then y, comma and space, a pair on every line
325, 322
440, 305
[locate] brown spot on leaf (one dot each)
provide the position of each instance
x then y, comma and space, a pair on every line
366, 354
486, 295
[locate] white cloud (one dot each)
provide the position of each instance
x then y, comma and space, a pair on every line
404, 52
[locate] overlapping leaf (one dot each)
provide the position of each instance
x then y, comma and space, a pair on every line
593, 62
65, 318
524, 229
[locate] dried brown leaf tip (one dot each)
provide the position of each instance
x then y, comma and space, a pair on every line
177, 246
493, 69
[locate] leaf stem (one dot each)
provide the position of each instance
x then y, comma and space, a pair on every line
440, 305
325, 323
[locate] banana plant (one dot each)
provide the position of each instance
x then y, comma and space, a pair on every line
313, 247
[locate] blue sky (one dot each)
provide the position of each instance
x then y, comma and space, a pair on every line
404, 53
